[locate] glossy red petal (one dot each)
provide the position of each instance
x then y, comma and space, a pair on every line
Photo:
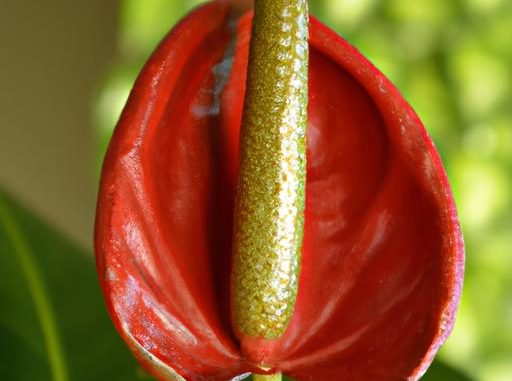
162, 222
382, 258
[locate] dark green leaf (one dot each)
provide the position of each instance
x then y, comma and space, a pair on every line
53, 324
440, 371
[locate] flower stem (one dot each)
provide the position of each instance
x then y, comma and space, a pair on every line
269, 377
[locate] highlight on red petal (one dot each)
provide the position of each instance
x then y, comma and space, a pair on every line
382, 260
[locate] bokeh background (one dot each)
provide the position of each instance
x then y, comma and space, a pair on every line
66, 68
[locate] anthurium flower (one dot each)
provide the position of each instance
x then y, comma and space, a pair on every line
382, 254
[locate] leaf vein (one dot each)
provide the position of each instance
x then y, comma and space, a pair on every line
38, 292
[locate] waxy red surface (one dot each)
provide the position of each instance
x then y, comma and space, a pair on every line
382, 259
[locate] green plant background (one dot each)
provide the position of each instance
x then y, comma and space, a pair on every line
451, 59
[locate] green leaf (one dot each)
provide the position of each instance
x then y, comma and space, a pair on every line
53, 323
440, 371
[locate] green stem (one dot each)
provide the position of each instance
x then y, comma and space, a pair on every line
269, 211
270, 377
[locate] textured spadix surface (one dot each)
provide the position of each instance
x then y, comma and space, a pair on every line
382, 258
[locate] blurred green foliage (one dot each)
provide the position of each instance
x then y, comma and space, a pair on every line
452, 60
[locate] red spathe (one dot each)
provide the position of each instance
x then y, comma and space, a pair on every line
382, 262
